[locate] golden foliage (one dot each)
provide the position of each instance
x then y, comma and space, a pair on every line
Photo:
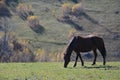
24, 11
33, 21
22, 7
40, 55
66, 9
12, 36
77, 8
56, 56
67, 5
23, 53
2, 3
1, 34
19, 48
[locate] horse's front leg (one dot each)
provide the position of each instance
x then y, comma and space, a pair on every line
76, 61
81, 59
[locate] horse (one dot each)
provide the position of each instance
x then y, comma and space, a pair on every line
84, 44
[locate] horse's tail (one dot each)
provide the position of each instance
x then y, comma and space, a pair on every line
100, 45
102, 48
103, 52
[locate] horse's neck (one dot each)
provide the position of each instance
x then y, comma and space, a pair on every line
69, 51
70, 46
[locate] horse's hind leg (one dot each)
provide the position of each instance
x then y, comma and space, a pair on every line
95, 56
103, 53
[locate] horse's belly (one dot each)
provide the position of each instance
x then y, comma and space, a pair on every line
85, 48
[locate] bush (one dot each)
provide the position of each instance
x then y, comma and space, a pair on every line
15, 50
24, 11
8, 2
4, 11
33, 21
56, 56
64, 15
40, 55
21, 51
66, 9
77, 9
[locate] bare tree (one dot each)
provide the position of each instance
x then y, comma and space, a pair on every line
4, 18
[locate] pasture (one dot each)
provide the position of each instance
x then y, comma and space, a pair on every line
56, 71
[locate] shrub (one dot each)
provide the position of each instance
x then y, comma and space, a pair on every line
15, 50
33, 21
56, 56
64, 15
8, 2
21, 51
40, 55
75, 1
77, 9
66, 9
24, 11
4, 11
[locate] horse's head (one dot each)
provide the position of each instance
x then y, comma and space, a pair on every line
68, 51
66, 60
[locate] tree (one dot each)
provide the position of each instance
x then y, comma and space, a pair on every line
9, 2
11, 49
4, 11
4, 16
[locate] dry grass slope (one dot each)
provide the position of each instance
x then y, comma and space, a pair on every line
55, 36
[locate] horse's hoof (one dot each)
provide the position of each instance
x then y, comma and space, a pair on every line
82, 64
93, 64
103, 63
65, 66
74, 66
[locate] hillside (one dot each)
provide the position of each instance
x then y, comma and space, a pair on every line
55, 35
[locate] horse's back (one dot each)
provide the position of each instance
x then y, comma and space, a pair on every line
88, 43
97, 40
84, 44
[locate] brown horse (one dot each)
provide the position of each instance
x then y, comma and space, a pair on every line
84, 44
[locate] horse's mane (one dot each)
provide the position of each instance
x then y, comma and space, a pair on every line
70, 41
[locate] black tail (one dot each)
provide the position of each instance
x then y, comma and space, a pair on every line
101, 47
102, 50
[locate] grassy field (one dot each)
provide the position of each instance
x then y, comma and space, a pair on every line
55, 71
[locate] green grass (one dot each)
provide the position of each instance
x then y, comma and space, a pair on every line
55, 71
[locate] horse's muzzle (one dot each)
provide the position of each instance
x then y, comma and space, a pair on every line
65, 66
